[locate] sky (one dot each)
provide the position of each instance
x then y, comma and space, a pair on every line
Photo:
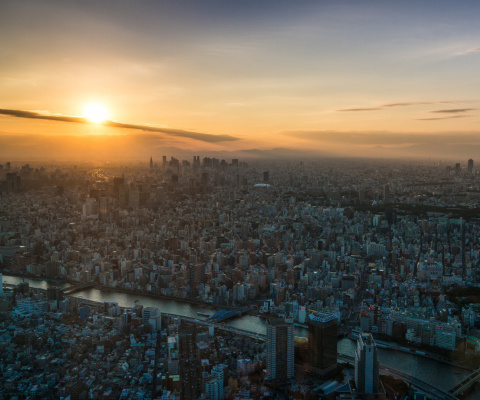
355, 78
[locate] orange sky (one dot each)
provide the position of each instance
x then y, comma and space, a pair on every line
270, 75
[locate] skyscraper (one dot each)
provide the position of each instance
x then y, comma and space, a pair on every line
386, 194
188, 363
366, 366
280, 350
322, 343
470, 166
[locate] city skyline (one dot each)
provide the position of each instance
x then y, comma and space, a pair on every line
218, 279
343, 79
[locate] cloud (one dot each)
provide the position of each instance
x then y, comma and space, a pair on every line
438, 118
391, 105
453, 111
476, 50
384, 138
205, 137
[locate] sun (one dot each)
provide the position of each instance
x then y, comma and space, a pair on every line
95, 112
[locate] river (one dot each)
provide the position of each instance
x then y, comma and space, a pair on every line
433, 372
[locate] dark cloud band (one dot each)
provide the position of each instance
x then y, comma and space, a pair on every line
453, 111
205, 137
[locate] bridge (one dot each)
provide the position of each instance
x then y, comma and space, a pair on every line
223, 315
70, 289
466, 384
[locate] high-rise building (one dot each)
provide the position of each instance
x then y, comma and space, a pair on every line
266, 176
458, 169
188, 363
386, 194
151, 162
322, 343
151, 316
213, 388
470, 166
366, 366
280, 350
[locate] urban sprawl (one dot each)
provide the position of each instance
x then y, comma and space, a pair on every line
385, 254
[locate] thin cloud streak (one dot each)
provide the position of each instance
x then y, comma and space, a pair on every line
205, 137
391, 105
469, 52
453, 111
440, 118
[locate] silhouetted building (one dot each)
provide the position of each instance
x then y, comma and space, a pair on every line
322, 343
386, 194
266, 176
12, 182
458, 169
151, 162
280, 350
470, 166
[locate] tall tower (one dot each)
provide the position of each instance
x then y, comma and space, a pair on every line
470, 166
322, 343
386, 194
366, 365
151, 162
280, 350
188, 363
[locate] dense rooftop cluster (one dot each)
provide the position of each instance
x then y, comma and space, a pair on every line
390, 249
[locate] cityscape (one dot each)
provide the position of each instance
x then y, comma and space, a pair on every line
239, 200
215, 279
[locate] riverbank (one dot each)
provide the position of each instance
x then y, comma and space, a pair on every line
34, 277
396, 347
122, 290
212, 306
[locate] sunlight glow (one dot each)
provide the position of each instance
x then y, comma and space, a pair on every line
95, 112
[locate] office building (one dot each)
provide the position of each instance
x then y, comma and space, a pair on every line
322, 343
188, 363
280, 350
151, 316
366, 366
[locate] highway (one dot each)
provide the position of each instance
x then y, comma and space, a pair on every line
424, 386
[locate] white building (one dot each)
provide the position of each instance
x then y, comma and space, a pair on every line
367, 372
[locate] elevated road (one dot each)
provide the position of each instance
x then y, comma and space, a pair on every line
466, 384
422, 385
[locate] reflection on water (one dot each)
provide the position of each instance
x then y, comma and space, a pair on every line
430, 371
